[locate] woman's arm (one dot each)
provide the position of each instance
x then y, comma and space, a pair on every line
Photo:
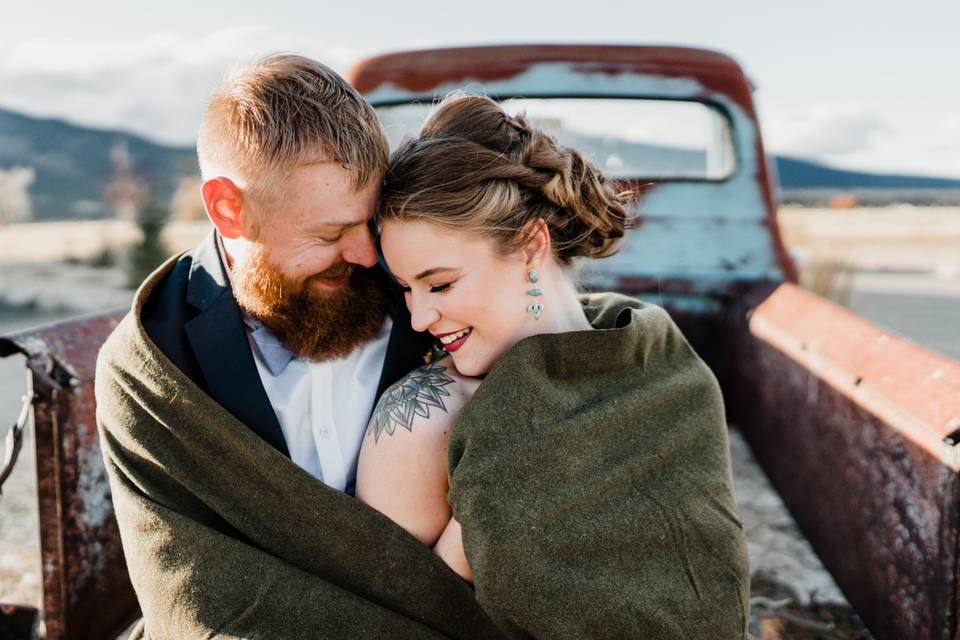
402, 470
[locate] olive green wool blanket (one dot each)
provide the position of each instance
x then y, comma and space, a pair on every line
590, 473
225, 537
591, 476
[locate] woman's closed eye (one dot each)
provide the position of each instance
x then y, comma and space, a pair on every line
437, 288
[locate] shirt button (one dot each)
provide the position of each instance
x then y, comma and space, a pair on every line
324, 432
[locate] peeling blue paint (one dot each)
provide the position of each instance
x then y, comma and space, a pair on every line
712, 232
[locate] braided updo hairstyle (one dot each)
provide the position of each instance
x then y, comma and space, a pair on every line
477, 168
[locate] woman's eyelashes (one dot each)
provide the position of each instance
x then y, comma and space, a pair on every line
437, 288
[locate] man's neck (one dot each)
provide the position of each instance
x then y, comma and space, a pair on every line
226, 255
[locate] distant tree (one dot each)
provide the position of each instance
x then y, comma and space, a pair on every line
150, 253
15, 204
132, 199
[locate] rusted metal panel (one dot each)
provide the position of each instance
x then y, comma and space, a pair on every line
711, 232
86, 590
423, 71
850, 424
637, 285
915, 390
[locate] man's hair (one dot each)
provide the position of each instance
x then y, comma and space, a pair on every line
283, 111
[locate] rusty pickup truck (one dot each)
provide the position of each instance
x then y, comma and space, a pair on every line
858, 429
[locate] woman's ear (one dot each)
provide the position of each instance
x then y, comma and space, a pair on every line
537, 247
224, 203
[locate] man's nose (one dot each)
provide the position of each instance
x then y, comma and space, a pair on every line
422, 312
359, 248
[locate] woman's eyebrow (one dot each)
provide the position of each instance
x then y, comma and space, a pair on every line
430, 272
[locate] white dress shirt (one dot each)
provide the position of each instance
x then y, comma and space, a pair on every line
323, 407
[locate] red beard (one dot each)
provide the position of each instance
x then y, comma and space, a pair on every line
312, 325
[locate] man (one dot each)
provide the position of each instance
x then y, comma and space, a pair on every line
233, 399
290, 191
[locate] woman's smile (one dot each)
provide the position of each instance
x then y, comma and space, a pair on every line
461, 288
453, 341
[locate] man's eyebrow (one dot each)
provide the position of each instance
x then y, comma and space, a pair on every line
338, 225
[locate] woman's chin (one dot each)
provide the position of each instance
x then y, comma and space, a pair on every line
469, 367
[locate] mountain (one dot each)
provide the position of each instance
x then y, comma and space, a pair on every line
796, 176
73, 164
795, 173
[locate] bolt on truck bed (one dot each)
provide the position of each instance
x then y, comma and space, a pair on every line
857, 429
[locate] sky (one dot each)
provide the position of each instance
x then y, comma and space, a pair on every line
870, 85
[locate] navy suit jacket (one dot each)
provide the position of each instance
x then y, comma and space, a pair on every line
195, 321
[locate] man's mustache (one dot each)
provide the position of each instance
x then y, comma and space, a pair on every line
335, 272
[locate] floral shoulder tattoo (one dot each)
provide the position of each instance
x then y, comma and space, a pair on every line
414, 395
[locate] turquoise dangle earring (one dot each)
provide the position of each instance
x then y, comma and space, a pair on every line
535, 307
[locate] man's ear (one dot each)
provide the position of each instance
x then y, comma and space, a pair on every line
224, 203
536, 248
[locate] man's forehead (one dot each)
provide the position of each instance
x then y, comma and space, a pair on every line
333, 173
339, 222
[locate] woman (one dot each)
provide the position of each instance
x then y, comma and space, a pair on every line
585, 485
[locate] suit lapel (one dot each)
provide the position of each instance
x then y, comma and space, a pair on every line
219, 342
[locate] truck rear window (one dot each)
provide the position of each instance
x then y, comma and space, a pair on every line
627, 138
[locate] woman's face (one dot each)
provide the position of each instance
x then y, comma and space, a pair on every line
460, 289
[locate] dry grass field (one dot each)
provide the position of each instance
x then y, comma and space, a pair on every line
899, 267
902, 238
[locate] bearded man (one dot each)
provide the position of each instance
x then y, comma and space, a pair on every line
233, 398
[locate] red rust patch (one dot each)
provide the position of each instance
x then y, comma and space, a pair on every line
914, 389
423, 71
846, 421
82, 560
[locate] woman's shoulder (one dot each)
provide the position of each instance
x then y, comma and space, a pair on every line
422, 402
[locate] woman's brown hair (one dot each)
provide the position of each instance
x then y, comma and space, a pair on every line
476, 168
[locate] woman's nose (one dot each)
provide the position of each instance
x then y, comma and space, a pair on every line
422, 313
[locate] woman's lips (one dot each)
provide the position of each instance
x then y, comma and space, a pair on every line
456, 344
450, 347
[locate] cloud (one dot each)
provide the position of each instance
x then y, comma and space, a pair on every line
849, 136
825, 130
947, 134
155, 86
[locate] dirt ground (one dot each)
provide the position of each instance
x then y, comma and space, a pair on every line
899, 267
